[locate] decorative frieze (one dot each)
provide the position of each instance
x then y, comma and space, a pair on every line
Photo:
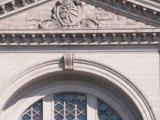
79, 37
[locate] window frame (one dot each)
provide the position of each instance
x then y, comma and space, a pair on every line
81, 87
48, 107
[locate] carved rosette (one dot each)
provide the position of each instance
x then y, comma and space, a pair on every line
68, 12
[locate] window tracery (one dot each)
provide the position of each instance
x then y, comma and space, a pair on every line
34, 112
71, 106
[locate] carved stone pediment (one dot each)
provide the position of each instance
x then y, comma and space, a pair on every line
70, 14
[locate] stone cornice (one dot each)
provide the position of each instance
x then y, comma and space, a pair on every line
80, 37
10, 7
135, 10
147, 3
155, 3
143, 11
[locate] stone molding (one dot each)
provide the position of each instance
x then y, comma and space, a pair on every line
81, 65
68, 61
145, 12
13, 6
80, 37
79, 87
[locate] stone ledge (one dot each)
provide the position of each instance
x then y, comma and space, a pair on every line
80, 37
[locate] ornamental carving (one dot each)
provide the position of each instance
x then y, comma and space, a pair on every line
67, 12
71, 14
134, 8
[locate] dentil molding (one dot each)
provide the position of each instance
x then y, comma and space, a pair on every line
79, 37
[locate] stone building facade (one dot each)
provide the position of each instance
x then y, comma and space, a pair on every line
79, 60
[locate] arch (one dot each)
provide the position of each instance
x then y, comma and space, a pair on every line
77, 88
80, 65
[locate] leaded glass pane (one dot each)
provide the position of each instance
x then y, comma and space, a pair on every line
105, 112
70, 106
34, 112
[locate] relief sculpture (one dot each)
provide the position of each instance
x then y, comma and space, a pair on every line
76, 14
67, 12
71, 14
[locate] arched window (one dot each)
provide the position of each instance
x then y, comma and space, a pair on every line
70, 106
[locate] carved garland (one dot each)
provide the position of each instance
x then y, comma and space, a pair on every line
147, 14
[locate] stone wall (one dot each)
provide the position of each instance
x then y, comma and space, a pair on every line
140, 68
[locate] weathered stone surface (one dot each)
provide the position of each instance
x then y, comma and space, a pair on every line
110, 48
89, 17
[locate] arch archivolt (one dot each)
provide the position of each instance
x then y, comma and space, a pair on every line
70, 87
80, 65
